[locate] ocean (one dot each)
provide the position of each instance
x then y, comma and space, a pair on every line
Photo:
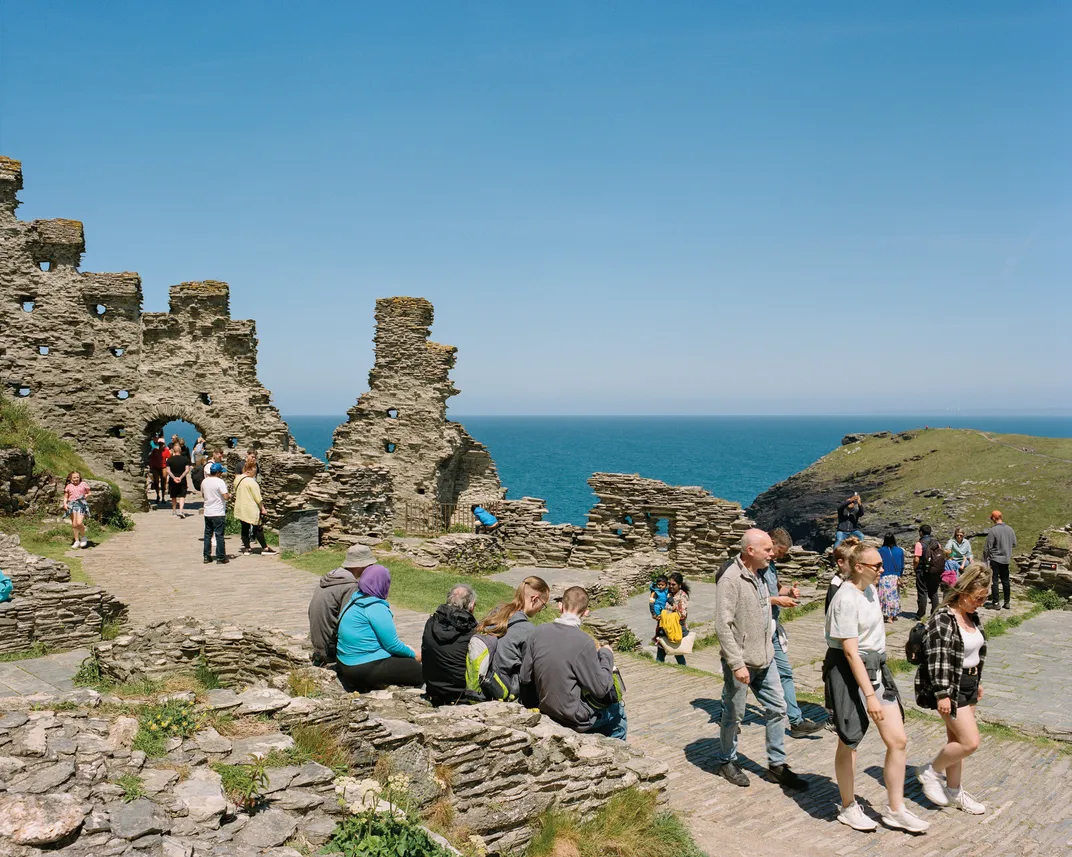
735, 458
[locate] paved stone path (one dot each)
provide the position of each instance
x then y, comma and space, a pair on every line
40, 675
672, 715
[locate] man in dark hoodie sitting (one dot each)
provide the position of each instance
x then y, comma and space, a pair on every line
573, 676
334, 591
444, 646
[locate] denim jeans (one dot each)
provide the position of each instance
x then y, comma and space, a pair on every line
611, 722
767, 687
214, 527
840, 536
789, 690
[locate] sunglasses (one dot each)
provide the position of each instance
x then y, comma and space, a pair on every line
874, 566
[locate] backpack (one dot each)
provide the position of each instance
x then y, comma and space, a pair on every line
481, 682
933, 558
197, 476
670, 625
913, 649
617, 694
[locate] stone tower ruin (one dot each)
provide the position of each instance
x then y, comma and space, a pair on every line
77, 349
401, 423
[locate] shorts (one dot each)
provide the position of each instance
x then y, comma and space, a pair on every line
80, 506
176, 489
969, 690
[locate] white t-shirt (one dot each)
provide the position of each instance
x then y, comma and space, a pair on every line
213, 490
973, 645
857, 614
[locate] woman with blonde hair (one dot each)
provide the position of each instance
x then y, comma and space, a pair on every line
841, 560
249, 506
949, 680
510, 623
859, 688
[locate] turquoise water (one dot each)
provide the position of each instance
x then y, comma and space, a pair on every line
732, 457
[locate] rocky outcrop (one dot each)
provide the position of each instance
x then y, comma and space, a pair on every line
26, 492
1049, 565
47, 608
62, 760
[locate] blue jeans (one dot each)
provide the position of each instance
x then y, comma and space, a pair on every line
611, 722
214, 527
840, 536
789, 690
766, 686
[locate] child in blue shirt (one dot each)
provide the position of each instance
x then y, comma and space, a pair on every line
657, 601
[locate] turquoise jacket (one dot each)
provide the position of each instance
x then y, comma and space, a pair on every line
367, 632
6, 587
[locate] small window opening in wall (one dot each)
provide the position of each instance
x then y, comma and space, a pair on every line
122, 395
118, 431
117, 465
100, 310
370, 508
42, 349
232, 442
118, 352
392, 413
28, 305
206, 399
387, 445
45, 265
22, 392
420, 491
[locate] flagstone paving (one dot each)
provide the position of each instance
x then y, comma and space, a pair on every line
673, 714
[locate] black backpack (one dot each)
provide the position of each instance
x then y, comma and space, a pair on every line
933, 558
913, 649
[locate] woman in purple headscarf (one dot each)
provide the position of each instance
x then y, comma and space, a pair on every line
370, 655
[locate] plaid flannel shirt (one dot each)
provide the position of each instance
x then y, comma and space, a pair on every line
939, 674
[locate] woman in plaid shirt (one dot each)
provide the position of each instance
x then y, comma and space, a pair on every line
949, 680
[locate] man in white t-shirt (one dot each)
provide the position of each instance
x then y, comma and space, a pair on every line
214, 490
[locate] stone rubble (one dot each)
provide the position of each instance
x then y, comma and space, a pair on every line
61, 758
1049, 565
47, 607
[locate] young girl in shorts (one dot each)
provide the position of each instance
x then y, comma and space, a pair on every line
75, 492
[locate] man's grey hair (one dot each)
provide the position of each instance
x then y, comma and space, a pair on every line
752, 537
462, 595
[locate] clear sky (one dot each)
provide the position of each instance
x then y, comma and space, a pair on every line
775, 207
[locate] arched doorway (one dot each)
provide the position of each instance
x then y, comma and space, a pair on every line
167, 426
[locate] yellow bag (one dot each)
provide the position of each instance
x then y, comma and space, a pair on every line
670, 624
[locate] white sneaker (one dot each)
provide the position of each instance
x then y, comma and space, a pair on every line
933, 785
962, 800
84, 543
75, 543
904, 820
854, 816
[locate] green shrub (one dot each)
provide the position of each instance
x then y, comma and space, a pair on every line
205, 676
627, 642
1046, 598
244, 784
132, 786
371, 835
159, 721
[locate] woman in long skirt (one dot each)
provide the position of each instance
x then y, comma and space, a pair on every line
889, 583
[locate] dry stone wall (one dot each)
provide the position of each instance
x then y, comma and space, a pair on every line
1049, 565
47, 607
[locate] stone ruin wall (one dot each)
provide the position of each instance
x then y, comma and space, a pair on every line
47, 607
702, 530
1049, 565
77, 349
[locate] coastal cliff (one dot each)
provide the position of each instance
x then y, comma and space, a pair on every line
942, 477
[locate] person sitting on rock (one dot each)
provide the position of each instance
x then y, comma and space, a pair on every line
370, 655
572, 675
334, 590
510, 623
444, 645
848, 519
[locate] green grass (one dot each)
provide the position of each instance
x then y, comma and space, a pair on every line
707, 641
51, 454
53, 540
1030, 489
132, 786
419, 589
791, 613
628, 825
37, 650
312, 744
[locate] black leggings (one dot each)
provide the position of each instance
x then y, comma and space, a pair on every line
376, 675
258, 534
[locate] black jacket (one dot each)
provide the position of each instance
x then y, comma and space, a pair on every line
443, 649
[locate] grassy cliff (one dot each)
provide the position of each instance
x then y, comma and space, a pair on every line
51, 454
942, 477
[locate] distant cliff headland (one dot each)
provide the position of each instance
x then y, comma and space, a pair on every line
942, 477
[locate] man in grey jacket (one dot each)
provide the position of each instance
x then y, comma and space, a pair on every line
334, 590
572, 675
998, 552
745, 629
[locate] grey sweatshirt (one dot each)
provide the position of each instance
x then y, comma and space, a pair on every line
743, 619
561, 662
511, 647
999, 544
334, 591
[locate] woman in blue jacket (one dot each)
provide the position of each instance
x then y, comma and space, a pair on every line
370, 655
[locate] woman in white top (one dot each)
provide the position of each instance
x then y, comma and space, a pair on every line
949, 680
860, 687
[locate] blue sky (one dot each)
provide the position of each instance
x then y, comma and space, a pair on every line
615, 208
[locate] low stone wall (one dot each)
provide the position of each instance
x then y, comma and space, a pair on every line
47, 607
498, 764
529, 539
1049, 565
467, 553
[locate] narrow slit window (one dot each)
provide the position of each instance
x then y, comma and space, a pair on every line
117, 465
388, 446
206, 399
100, 310
232, 442
45, 265
392, 413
